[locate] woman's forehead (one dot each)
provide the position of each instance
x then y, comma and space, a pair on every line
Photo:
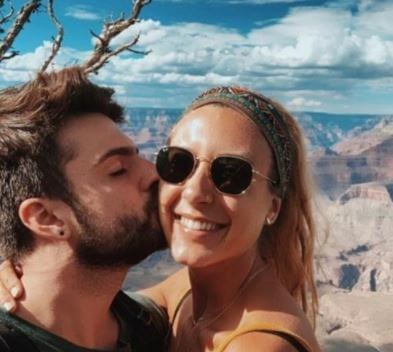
210, 114
219, 126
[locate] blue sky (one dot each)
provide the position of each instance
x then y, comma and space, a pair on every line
332, 56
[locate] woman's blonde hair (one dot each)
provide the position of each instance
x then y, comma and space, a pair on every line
290, 240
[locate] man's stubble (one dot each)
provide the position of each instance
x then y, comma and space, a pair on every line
121, 242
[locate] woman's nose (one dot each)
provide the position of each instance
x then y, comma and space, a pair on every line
198, 188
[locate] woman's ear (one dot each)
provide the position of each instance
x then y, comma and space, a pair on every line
274, 210
44, 217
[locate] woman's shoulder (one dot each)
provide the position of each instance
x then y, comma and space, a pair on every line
271, 342
171, 291
268, 296
271, 314
276, 331
281, 329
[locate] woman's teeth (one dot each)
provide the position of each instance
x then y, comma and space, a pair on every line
198, 225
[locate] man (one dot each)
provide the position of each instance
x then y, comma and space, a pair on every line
77, 209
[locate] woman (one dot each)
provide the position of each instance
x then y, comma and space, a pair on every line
235, 207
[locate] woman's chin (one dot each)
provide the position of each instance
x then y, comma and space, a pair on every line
191, 257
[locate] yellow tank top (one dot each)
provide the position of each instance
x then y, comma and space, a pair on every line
295, 340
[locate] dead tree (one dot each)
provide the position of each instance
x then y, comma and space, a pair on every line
103, 50
20, 20
111, 29
56, 41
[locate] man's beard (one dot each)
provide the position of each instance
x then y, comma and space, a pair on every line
121, 243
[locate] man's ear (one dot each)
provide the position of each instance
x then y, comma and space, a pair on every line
45, 217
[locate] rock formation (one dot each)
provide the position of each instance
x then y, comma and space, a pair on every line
352, 160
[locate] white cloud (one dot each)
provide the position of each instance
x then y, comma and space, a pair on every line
324, 49
23, 67
150, 33
375, 18
316, 42
308, 55
301, 103
82, 12
366, 4
323, 38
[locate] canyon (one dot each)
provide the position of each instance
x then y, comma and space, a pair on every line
351, 158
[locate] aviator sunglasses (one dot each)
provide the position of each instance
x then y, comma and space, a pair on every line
230, 174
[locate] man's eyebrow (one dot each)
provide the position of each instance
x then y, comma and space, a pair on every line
126, 151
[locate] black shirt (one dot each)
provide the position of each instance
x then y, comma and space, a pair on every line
143, 327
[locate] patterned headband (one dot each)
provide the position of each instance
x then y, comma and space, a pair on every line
266, 117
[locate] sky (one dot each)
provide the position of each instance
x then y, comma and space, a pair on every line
333, 56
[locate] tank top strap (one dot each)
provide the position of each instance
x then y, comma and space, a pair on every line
295, 340
179, 304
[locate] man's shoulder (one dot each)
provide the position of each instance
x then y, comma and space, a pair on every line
136, 306
142, 317
12, 338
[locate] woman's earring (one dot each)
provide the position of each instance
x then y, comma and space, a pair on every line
269, 221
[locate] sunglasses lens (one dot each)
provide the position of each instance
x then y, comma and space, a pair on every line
174, 164
231, 175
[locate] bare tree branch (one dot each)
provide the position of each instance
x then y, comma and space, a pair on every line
97, 36
141, 52
21, 19
10, 55
102, 51
56, 41
5, 18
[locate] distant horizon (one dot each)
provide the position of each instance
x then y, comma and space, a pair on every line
291, 111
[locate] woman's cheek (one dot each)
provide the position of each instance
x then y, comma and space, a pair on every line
165, 213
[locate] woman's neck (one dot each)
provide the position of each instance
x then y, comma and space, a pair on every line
216, 288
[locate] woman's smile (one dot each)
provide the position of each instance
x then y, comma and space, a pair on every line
198, 227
